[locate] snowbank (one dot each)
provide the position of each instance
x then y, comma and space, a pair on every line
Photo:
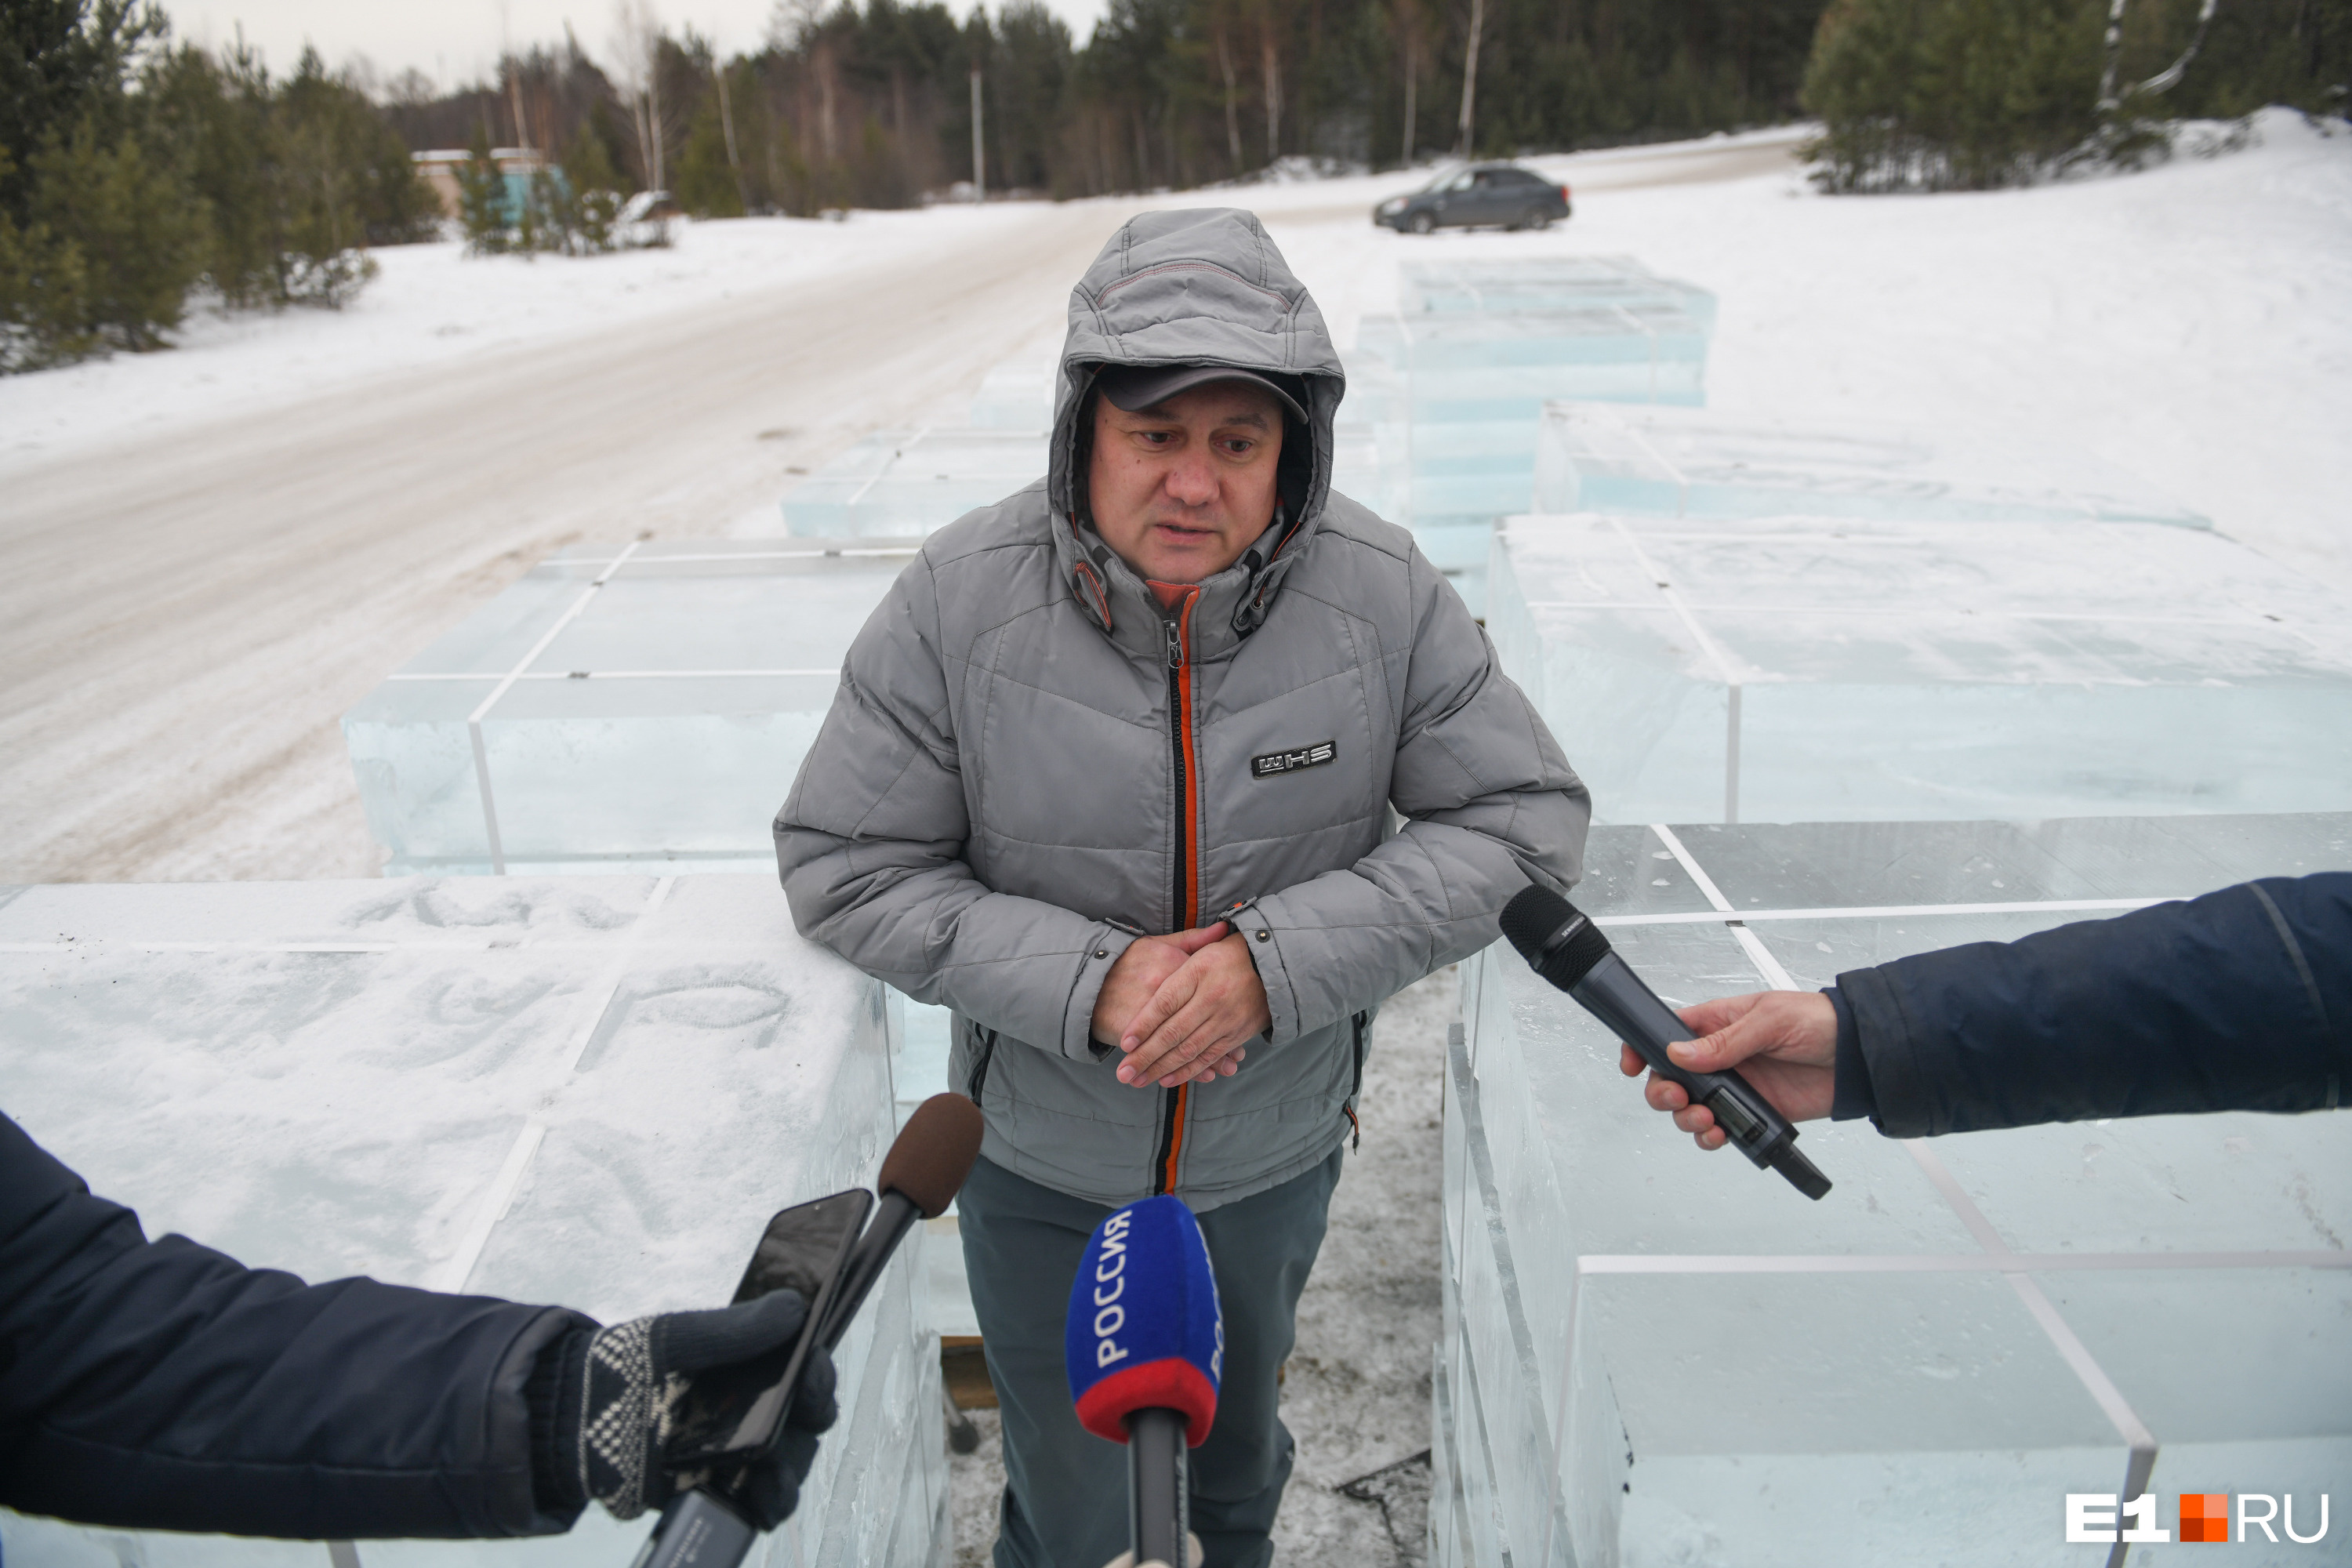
432, 304
2192, 324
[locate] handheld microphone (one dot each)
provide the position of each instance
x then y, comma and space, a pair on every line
1568, 950
926, 1166
1145, 1345
920, 1176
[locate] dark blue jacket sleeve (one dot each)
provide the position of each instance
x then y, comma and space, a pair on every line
159, 1385
2240, 1000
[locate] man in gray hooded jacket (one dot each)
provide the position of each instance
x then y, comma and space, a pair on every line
1163, 774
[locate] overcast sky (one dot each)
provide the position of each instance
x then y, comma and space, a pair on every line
455, 41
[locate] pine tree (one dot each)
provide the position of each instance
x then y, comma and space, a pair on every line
217, 116
595, 185
482, 198
1951, 94
139, 231
42, 316
704, 182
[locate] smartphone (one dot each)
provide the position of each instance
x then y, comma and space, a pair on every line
729, 1412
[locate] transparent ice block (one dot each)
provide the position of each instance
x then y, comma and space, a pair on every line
919, 1071
901, 483
589, 1091
1481, 366
658, 718
1373, 438
1477, 376
1716, 1371
1689, 462
1839, 668
1016, 397
1502, 287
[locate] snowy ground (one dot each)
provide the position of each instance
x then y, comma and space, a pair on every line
215, 551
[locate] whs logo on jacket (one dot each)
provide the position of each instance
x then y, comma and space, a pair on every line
1290, 761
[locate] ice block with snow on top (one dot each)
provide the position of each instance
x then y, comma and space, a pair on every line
586, 1091
1692, 462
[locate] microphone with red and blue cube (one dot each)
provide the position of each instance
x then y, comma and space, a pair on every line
1146, 1347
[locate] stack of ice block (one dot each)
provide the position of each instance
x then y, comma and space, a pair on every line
1652, 1356
901, 483
646, 704
1373, 439
921, 1070
1483, 346
1016, 396
1837, 669
1495, 286
587, 1091
1689, 462
622, 704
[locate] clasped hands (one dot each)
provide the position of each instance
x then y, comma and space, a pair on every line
1182, 1007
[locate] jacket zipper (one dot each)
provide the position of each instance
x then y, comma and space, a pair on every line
1184, 885
1356, 1084
978, 1080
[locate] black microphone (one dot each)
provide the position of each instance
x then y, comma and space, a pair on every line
701, 1527
1567, 948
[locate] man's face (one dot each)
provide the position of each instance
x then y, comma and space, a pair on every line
1180, 489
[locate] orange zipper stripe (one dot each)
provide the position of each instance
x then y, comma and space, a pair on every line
1175, 1138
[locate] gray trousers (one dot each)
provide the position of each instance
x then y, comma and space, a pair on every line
1065, 1489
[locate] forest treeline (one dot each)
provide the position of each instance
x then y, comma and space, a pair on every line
1975, 94
869, 105
133, 168
136, 169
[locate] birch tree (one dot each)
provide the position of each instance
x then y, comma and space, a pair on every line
637, 68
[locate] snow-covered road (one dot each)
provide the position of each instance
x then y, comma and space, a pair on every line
214, 552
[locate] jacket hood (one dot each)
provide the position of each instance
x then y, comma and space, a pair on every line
1198, 286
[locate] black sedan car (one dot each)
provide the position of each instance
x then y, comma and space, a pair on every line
1496, 195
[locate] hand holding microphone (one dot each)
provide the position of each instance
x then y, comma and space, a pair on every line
629, 1379
1145, 1348
1788, 1040
1568, 950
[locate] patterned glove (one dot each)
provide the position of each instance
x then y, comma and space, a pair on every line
630, 1379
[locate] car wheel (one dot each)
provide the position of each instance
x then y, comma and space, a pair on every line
1421, 223
1537, 218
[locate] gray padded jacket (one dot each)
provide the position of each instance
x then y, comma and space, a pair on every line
1029, 763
